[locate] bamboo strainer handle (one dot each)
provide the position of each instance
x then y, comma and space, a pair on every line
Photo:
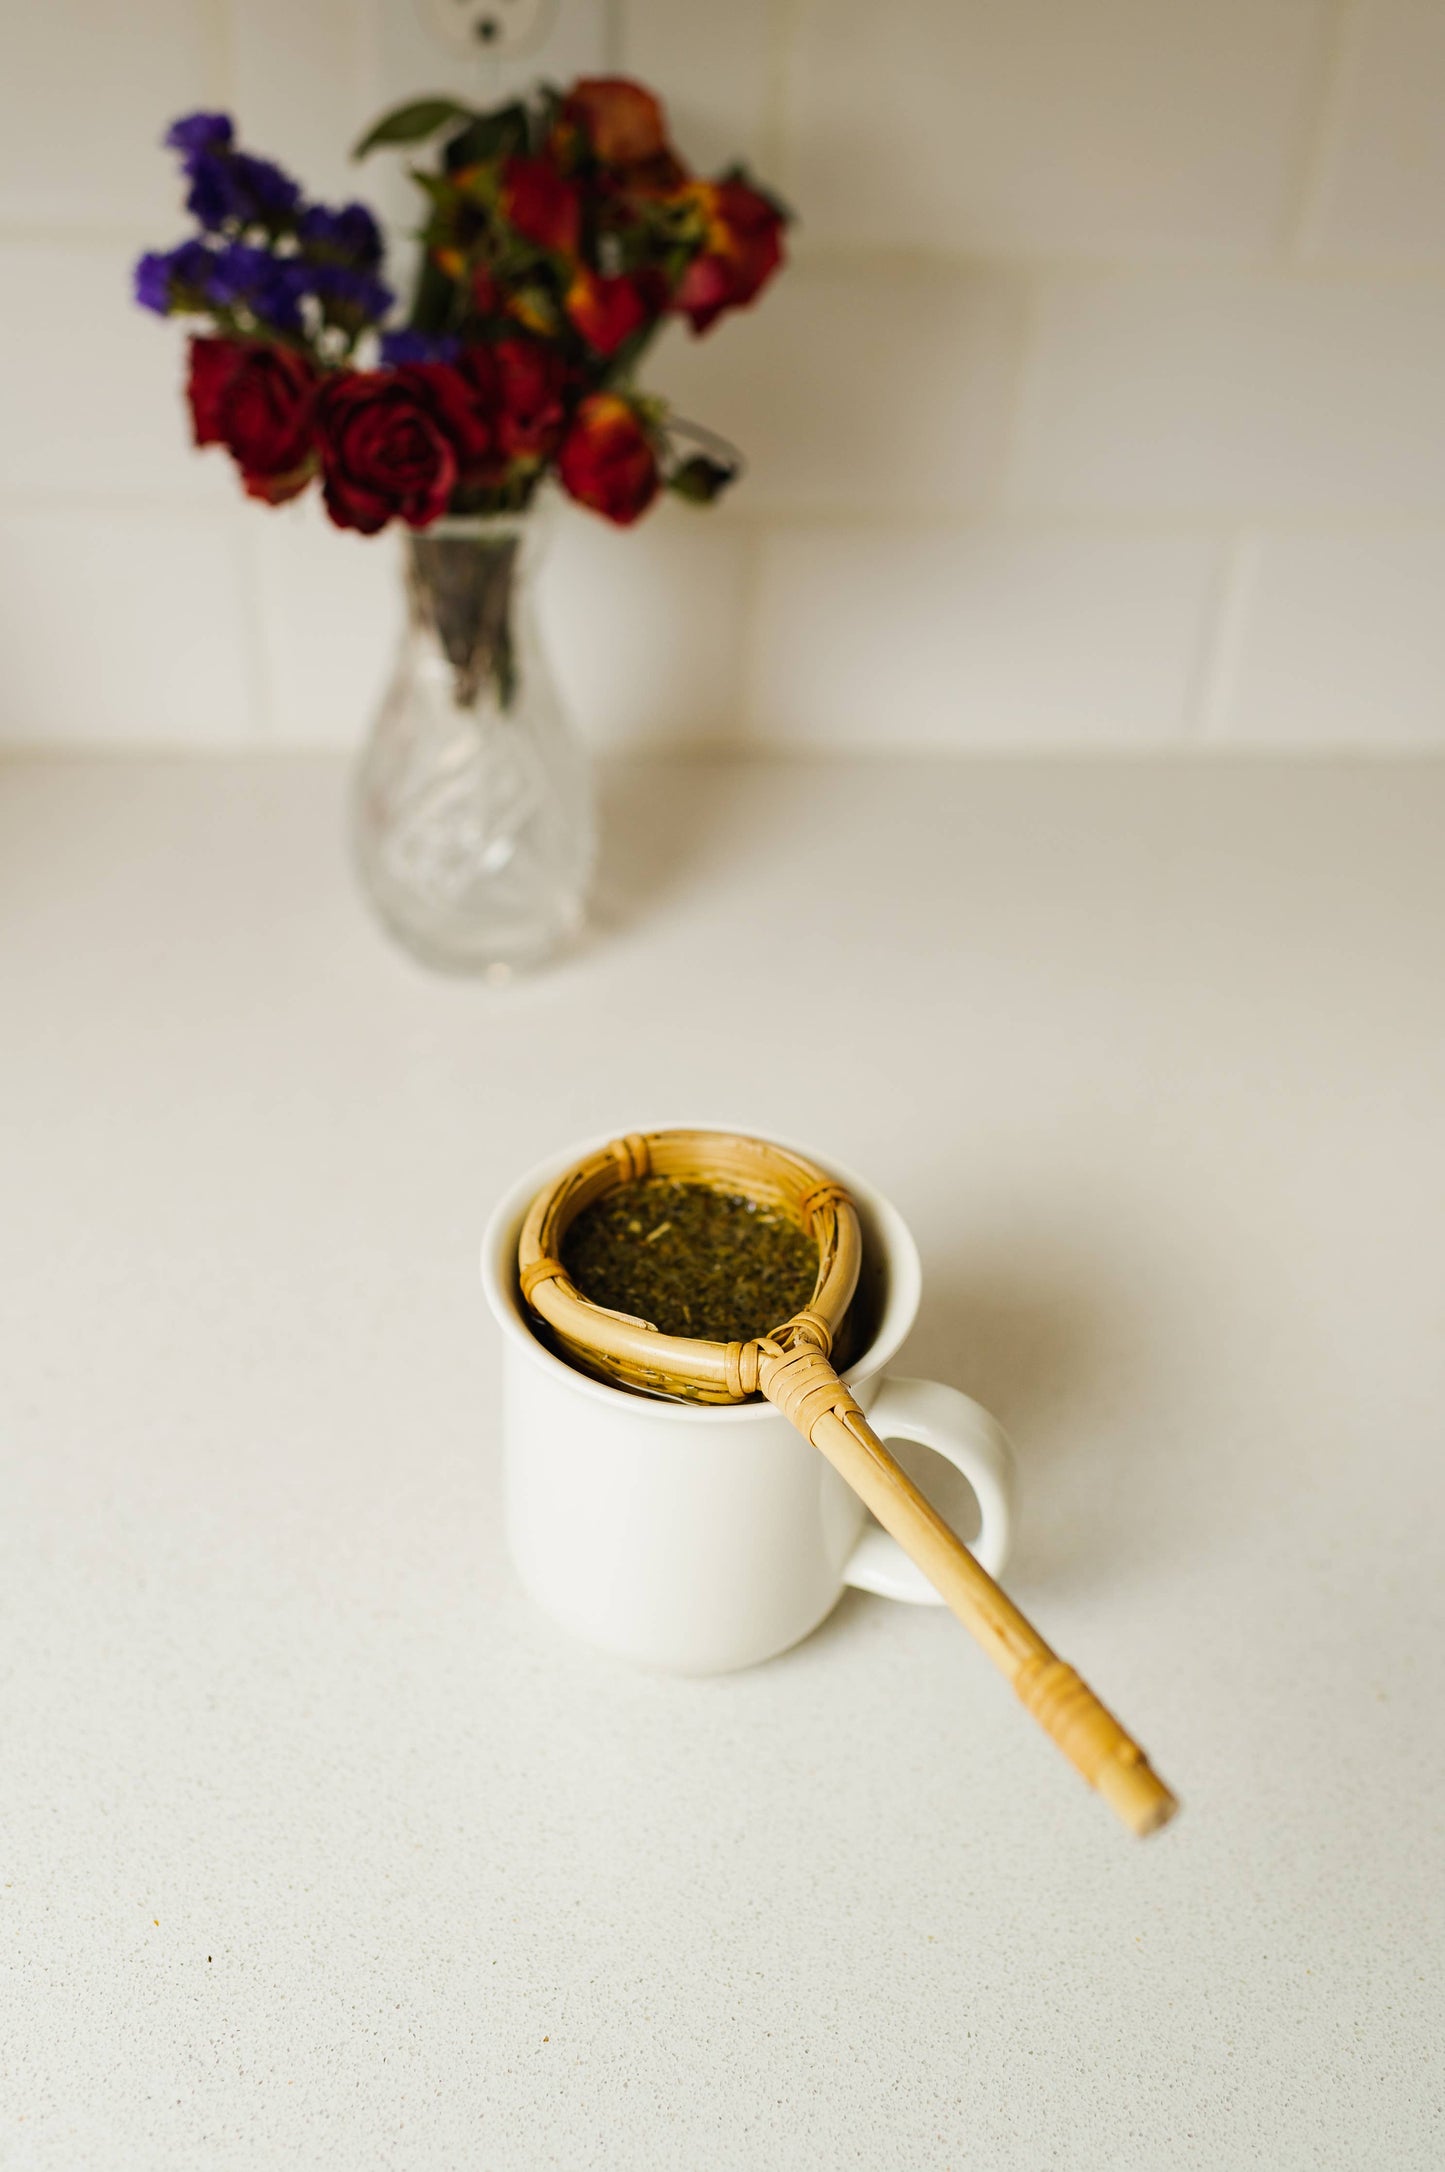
806, 1389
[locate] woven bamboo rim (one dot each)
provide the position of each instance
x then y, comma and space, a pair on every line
633, 1352
790, 1365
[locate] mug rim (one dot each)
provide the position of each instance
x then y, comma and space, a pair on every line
900, 1310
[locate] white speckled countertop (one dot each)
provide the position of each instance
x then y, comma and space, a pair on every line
320, 1849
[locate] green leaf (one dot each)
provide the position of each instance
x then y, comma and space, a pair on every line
502, 134
412, 123
620, 366
700, 480
435, 301
436, 186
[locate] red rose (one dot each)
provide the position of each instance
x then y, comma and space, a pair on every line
607, 461
622, 122
213, 367
542, 204
608, 311
660, 176
533, 384
742, 250
259, 402
383, 450
464, 400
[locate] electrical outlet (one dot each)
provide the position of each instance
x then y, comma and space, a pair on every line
505, 28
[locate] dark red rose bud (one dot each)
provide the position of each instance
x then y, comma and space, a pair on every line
259, 402
462, 400
213, 366
478, 364
660, 176
742, 250
621, 121
533, 385
608, 311
542, 204
383, 452
706, 291
607, 460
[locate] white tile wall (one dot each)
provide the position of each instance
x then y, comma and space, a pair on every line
1168, 393
90, 387
87, 88
328, 611
643, 626
1381, 188
1048, 127
124, 628
1103, 403
883, 386
1342, 643
989, 639
716, 64
300, 77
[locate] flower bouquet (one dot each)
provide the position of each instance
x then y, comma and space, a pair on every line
560, 233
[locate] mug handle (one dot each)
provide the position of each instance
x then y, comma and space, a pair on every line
974, 1443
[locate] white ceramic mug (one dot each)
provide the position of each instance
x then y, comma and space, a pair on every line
703, 1538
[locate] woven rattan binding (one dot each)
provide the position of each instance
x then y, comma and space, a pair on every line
632, 1352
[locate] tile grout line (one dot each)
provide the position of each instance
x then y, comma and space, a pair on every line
1343, 35
366, 60
788, 18
968, 517
1203, 650
1287, 755
1023, 376
614, 37
1216, 665
223, 51
868, 258
747, 678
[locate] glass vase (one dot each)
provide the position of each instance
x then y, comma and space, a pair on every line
473, 817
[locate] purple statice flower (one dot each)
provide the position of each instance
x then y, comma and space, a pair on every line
271, 287
212, 198
153, 281
179, 278
403, 346
350, 234
239, 270
230, 188
192, 267
348, 294
272, 193
196, 132
279, 294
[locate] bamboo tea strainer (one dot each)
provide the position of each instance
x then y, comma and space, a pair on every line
791, 1367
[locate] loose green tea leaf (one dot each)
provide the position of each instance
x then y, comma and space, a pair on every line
692, 1260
